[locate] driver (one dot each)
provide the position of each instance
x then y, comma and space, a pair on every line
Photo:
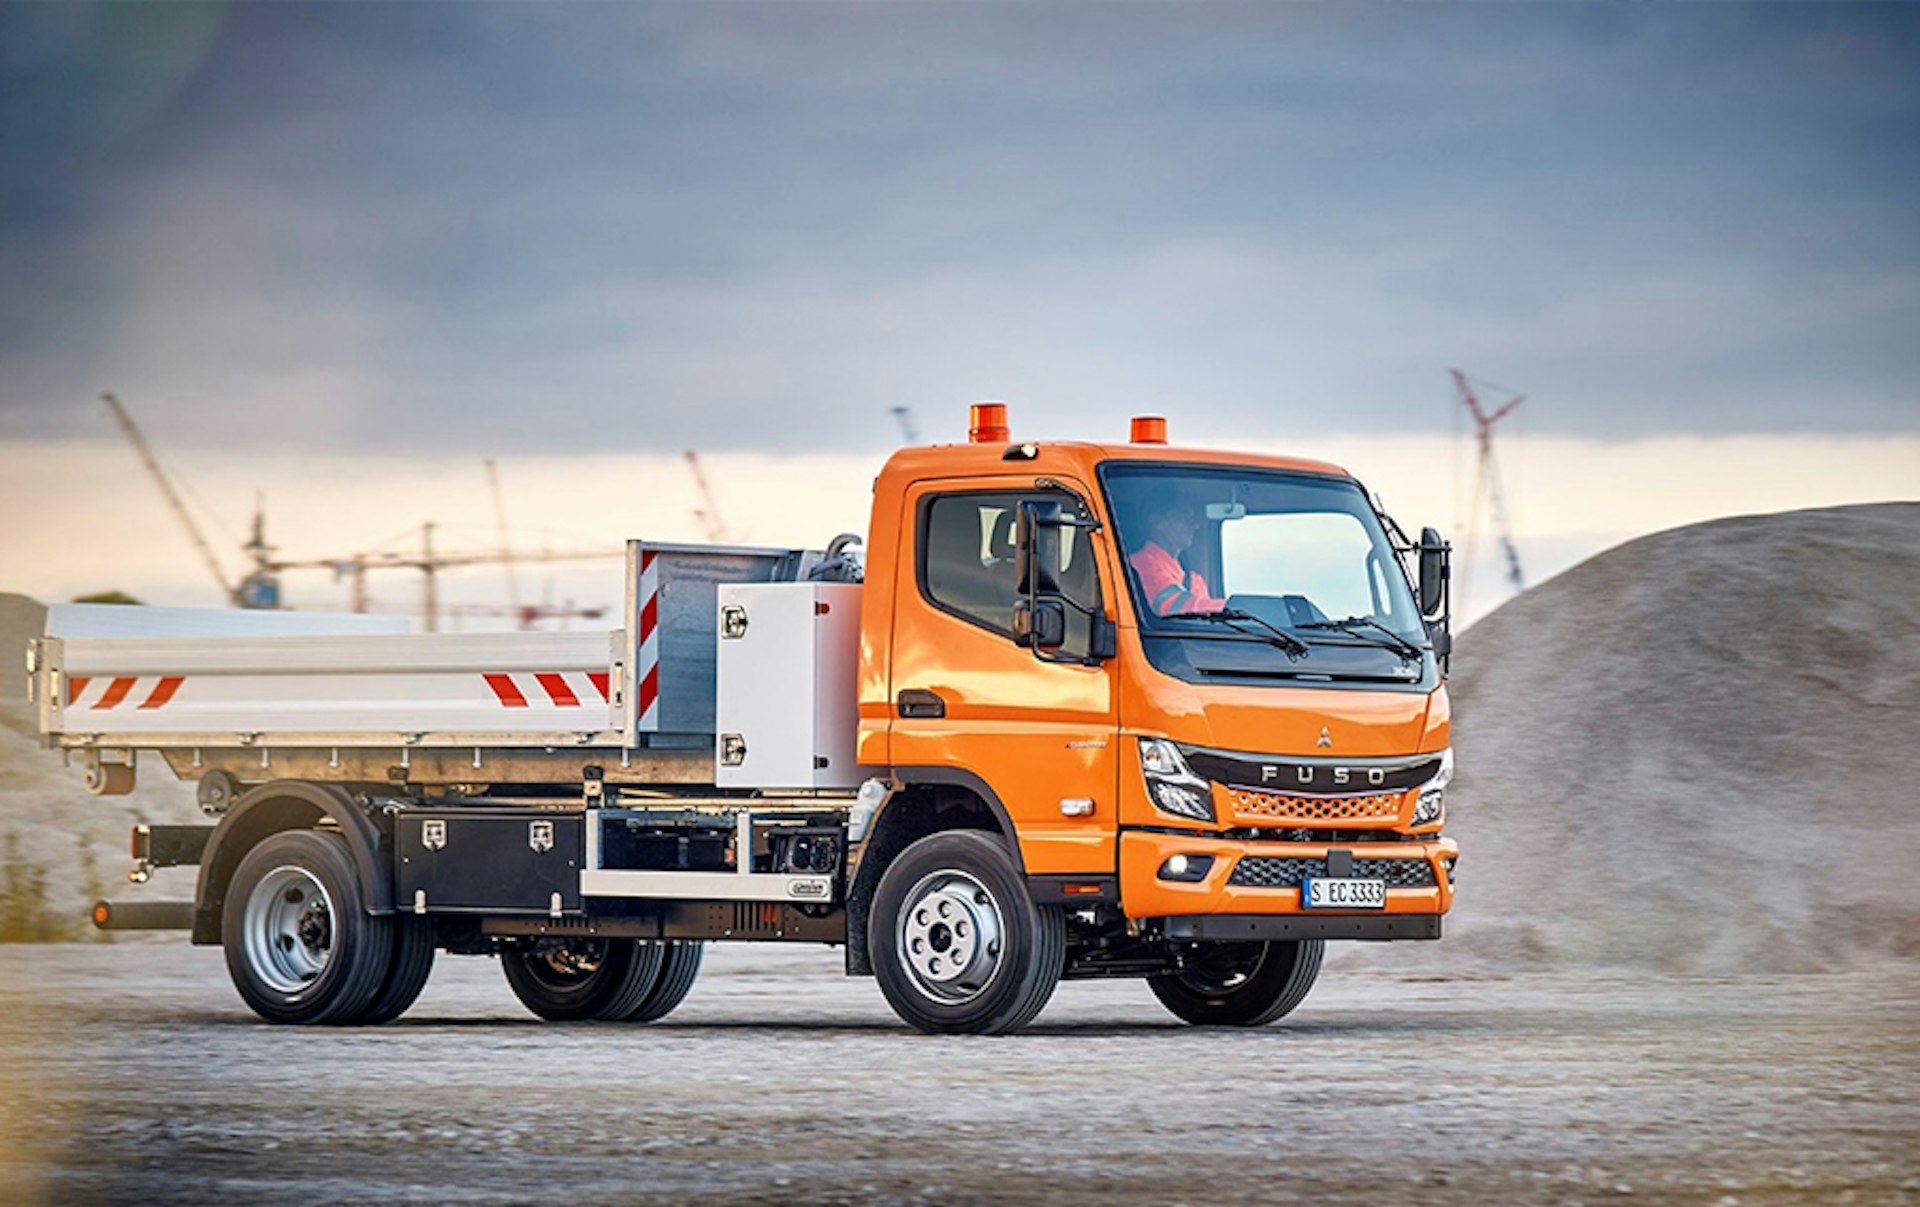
1170, 587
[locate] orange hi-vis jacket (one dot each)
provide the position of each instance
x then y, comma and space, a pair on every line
1169, 587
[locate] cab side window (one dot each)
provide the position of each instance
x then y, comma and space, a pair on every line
967, 565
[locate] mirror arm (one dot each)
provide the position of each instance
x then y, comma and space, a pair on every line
1034, 572
1437, 554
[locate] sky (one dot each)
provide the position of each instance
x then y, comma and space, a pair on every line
341, 254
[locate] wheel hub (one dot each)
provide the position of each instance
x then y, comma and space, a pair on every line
288, 924
575, 961
950, 935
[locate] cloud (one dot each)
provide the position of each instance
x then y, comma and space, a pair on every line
758, 226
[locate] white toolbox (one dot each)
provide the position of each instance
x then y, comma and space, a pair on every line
787, 716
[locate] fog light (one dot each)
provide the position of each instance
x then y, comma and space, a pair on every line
1186, 868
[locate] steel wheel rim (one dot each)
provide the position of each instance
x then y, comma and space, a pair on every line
950, 936
289, 929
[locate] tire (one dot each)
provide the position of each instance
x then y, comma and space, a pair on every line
1240, 984
679, 965
299, 947
579, 980
413, 951
957, 944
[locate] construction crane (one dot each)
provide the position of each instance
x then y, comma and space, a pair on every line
708, 513
429, 562
527, 616
172, 496
1486, 484
907, 430
500, 523
260, 589
261, 586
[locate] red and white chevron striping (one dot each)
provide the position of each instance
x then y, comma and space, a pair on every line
562, 689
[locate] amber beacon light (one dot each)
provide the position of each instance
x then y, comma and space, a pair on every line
1149, 429
987, 423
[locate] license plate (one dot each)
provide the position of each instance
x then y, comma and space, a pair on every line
1343, 894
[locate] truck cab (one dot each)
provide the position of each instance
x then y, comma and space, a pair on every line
1193, 691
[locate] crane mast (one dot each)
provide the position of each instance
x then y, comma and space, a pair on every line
1487, 485
908, 432
708, 513
500, 524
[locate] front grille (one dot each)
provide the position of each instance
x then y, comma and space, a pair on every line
1318, 835
1267, 871
1274, 807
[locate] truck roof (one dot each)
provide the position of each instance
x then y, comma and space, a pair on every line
1080, 457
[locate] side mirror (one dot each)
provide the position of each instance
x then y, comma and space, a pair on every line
1436, 557
1036, 541
1039, 624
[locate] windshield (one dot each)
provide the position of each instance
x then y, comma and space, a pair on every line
1294, 551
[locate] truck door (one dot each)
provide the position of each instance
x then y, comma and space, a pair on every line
967, 699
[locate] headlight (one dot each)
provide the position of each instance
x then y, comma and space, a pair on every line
1161, 757
1432, 805
1171, 783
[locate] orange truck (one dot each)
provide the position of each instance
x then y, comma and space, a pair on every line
1078, 710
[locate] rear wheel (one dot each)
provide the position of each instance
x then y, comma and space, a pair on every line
574, 980
679, 964
413, 950
1240, 984
299, 947
958, 946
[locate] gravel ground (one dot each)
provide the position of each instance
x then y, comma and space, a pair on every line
131, 1072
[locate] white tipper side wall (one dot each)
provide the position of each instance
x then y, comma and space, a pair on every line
787, 686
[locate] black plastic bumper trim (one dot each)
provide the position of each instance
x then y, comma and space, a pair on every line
1302, 926
1053, 889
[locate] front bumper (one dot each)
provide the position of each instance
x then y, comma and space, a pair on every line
1268, 887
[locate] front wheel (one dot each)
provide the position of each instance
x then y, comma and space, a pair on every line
958, 945
575, 980
1240, 984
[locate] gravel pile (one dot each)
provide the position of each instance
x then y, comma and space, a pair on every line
1698, 752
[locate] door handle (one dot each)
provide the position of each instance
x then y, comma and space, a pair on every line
918, 702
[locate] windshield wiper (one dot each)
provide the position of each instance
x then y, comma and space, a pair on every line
1294, 647
1395, 642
